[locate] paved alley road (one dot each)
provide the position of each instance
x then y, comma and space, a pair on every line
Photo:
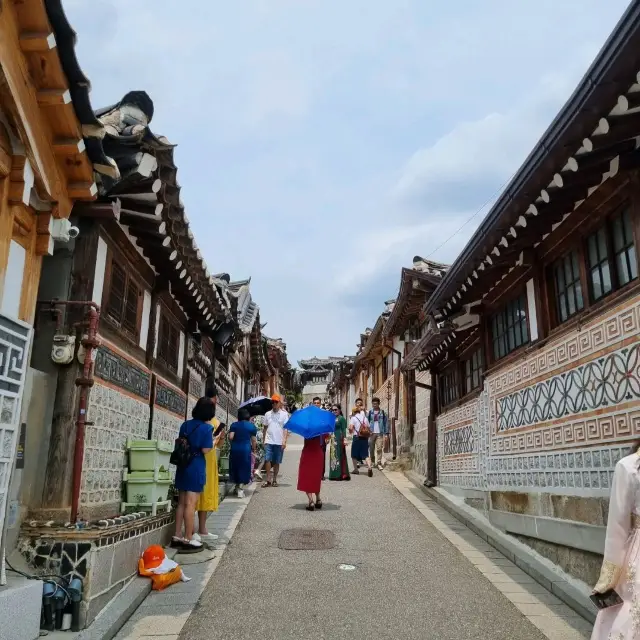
409, 581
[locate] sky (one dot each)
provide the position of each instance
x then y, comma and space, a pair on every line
322, 144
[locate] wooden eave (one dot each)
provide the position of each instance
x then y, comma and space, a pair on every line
415, 286
151, 209
431, 340
449, 349
595, 137
41, 100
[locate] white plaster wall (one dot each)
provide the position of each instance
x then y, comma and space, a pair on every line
146, 319
14, 275
100, 270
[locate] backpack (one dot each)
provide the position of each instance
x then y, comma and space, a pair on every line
365, 431
182, 453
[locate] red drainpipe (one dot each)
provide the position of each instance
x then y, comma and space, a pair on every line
85, 382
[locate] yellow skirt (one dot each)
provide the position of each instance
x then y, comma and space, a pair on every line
210, 496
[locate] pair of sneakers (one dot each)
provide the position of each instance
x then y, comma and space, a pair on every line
187, 546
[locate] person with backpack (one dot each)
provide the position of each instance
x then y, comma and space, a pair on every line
194, 441
359, 426
379, 433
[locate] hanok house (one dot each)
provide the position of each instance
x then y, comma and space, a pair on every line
280, 368
133, 293
45, 167
406, 395
533, 334
341, 389
316, 375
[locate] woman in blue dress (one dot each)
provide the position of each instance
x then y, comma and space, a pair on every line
190, 480
242, 435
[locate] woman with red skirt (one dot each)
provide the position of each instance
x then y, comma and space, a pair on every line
310, 471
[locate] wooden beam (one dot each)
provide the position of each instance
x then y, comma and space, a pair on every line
68, 146
52, 97
37, 42
23, 94
80, 190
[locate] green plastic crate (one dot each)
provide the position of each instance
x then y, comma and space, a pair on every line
148, 455
144, 488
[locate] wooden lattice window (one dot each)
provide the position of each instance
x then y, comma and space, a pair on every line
509, 329
473, 368
124, 300
568, 286
624, 249
168, 342
449, 387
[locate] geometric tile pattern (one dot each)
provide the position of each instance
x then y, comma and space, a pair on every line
115, 418
14, 350
608, 380
458, 440
565, 430
622, 323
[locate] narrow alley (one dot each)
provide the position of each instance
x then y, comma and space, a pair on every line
430, 578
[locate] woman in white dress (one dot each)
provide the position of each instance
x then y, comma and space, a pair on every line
621, 565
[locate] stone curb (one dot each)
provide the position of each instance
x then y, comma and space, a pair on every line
572, 592
111, 620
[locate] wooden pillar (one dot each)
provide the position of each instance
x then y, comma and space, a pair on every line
432, 432
59, 472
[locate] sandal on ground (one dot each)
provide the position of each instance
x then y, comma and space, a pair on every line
370, 473
274, 483
318, 504
311, 507
266, 484
355, 472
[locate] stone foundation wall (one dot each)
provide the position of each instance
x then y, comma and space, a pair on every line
103, 559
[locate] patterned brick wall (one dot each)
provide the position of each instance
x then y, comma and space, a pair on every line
557, 420
116, 416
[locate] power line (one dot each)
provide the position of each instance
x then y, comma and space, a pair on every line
457, 231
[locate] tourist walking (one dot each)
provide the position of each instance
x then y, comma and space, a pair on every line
338, 464
379, 433
242, 435
310, 471
257, 456
275, 440
621, 565
209, 499
191, 477
359, 425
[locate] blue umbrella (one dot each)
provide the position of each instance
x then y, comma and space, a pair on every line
311, 422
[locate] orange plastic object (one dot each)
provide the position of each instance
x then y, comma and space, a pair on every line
159, 582
153, 556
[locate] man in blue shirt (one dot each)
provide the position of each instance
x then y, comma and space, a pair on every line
379, 425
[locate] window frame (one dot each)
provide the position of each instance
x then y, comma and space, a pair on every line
449, 384
559, 264
502, 313
475, 354
580, 246
132, 334
166, 318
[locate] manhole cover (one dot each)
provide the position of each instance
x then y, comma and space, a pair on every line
306, 540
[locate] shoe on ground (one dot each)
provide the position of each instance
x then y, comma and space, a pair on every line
191, 546
370, 473
240, 493
196, 537
209, 537
380, 467
258, 475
